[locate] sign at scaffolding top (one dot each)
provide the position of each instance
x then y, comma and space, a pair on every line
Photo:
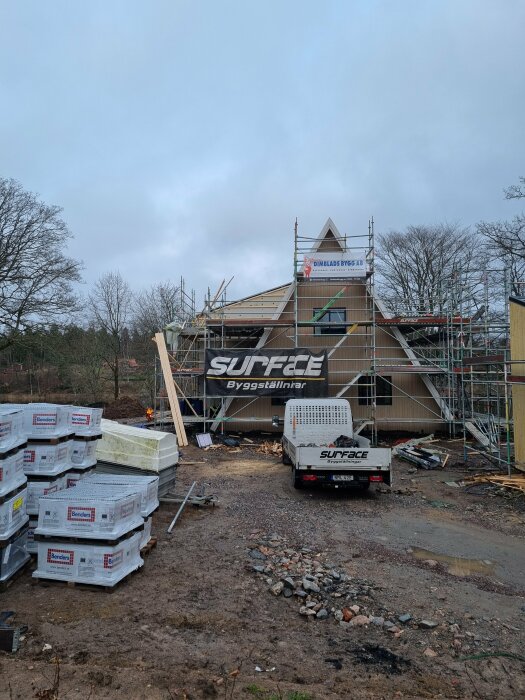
351, 263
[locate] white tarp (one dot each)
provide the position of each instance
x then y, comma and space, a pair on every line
149, 450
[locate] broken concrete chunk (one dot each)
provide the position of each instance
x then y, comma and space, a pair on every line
428, 624
277, 588
359, 620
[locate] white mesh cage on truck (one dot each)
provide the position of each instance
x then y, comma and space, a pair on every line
320, 445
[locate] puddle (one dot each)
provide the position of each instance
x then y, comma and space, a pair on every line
458, 566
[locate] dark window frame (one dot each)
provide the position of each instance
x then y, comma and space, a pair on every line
331, 330
383, 390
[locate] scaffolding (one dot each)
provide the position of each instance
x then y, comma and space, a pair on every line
459, 354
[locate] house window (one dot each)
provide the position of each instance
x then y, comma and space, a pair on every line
383, 386
278, 401
332, 316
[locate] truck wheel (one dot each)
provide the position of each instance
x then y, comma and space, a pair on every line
285, 458
296, 481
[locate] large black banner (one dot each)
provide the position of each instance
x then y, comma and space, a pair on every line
292, 373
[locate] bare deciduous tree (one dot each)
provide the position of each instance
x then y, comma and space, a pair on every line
111, 301
415, 266
508, 238
155, 307
35, 276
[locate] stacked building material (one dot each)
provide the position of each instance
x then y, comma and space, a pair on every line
127, 450
47, 455
89, 534
13, 493
146, 486
85, 425
60, 449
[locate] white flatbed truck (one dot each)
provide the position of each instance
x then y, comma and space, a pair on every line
311, 429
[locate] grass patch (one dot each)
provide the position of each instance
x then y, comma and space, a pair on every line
264, 694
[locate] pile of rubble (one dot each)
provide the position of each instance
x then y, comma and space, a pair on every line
324, 591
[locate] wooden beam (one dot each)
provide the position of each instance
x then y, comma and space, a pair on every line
170, 389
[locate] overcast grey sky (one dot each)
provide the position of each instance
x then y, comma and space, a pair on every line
184, 137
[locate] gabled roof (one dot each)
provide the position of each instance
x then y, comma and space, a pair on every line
262, 305
328, 228
265, 304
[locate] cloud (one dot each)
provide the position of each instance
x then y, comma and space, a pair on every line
184, 138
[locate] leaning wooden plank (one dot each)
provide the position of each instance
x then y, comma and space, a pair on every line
170, 389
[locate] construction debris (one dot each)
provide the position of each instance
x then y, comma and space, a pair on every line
270, 448
423, 457
420, 457
516, 482
203, 440
9, 634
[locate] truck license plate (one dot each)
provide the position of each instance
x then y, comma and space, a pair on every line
342, 477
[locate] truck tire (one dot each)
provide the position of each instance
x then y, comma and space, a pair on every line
285, 458
296, 481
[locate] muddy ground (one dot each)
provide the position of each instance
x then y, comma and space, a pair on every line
199, 622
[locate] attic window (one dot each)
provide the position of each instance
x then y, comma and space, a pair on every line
330, 317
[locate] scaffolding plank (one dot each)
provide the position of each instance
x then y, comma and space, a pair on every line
477, 434
483, 360
409, 369
170, 389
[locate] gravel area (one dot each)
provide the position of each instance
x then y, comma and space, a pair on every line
414, 592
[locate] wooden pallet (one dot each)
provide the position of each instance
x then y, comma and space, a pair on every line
76, 539
148, 547
87, 438
4, 585
47, 440
85, 586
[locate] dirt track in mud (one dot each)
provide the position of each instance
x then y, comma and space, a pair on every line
198, 620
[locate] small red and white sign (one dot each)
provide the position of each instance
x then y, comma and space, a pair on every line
81, 514
44, 419
113, 560
61, 556
81, 419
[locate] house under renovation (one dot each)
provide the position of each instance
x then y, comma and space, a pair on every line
236, 363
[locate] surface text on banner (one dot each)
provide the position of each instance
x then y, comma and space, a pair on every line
290, 373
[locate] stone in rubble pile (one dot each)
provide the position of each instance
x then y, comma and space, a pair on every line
322, 589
